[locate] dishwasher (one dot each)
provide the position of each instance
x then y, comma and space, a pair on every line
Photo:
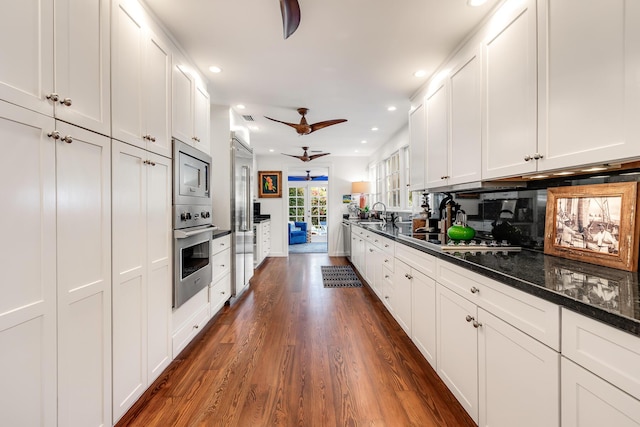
346, 236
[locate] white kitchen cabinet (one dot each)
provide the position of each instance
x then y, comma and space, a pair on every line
423, 314
55, 314
189, 319
372, 265
457, 347
263, 241
220, 288
191, 106
590, 401
142, 273
74, 84
28, 361
417, 145
357, 248
437, 129
141, 77
403, 295
588, 88
509, 62
518, 377
83, 180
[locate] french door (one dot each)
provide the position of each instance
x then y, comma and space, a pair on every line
308, 203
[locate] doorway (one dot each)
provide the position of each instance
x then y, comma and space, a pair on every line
308, 210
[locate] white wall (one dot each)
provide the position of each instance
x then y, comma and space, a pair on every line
342, 172
397, 141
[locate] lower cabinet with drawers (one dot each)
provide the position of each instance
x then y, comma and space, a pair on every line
220, 288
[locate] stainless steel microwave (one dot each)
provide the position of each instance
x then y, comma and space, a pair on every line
192, 175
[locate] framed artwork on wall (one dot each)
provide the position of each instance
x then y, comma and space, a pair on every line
597, 224
270, 184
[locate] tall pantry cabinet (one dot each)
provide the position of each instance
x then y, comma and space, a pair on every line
56, 291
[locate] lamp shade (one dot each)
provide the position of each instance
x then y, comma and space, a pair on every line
360, 187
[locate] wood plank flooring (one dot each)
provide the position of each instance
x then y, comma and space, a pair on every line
290, 352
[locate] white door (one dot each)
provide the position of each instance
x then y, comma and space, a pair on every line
517, 377
84, 277
82, 63
457, 347
26, 43
308, 203
28, 264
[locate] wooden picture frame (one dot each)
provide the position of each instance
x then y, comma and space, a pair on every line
598, 224
270, 184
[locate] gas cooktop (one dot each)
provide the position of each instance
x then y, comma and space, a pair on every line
480, 246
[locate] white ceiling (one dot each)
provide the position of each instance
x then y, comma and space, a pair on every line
349, 59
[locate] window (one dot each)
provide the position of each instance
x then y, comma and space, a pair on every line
392, 181
296, 204
407, 195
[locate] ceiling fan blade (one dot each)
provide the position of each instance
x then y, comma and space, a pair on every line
320, 125
300, 128
292, 155
315, 156
290, 16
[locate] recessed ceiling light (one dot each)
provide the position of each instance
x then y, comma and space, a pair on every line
240, 107
215, 69
420, 73
271, 150
474, 3
374, 128
355, 151
392, 108
363, 142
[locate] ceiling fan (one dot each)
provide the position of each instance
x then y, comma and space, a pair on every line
304, 128
290, 10
305, 157
311, 178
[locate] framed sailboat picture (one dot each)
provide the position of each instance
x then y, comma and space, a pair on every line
597, 224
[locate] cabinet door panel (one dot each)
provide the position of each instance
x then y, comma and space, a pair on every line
28, 265
127, 73
423, 321
26, 42
84, 277
82, 64
513, 365
201, 120
510, 83
418, 144
157, 95
437, 106
589, 401
182, 104
457, 348
592, 93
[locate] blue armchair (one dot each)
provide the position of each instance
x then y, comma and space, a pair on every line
297, 233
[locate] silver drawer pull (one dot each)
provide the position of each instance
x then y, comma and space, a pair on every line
474, 290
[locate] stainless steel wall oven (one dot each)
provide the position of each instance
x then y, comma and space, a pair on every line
191, 221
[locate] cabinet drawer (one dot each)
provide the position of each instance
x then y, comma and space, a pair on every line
610, 353
219, 293
388, 261
421, 261
220, 244
221, 264
189, 330
384, 244
532, 315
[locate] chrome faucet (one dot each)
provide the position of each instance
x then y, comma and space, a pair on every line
384, 216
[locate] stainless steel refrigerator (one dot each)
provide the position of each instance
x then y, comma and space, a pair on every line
241, 214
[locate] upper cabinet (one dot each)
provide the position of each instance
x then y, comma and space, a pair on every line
509, 50
589, 71
437, 113
141, 70
418, 143
191, 107
73, 85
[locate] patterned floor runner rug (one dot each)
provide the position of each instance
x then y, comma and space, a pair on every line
339, 276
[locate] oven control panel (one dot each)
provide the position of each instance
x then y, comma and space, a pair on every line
185, 216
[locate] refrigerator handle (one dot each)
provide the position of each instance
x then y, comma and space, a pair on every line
247, 213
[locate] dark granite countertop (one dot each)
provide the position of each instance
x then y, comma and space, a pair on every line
602, 293
220, 233
257, 219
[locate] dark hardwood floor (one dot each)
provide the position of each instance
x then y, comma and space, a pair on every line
290, 352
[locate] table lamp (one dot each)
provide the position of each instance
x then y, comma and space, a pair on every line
362, 188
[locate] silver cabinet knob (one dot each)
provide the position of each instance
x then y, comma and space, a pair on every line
474, 290
54, 134
527, 158
53, 97
370, 250
66, 101
538, 156
152, 138
147, 137
469, 318
476, 324
195, 326
408, 276
67, 138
